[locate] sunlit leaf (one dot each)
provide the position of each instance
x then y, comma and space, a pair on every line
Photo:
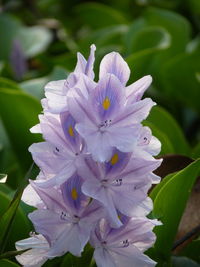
169, 205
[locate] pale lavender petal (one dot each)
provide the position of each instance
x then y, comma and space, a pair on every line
131, 257
97, 143
56, 98
81, 64
113, 63
108, 97
131, 202
52, 131
84, 66
78, 106
94, 189
90, 63
36, 129
138, 168
135, 91
83, 87
50, 196
46, 157
37, 253
104, 258
30, 197
49, 224
154, 146
69, 240
135, 113
123, 138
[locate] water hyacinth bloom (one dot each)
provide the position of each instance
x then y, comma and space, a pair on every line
56, 91
123, 246
124, 176
61, 155
37, 252
68, 218
96, 168
107, 119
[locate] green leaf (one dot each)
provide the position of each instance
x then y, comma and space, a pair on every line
8, 28
19, 113
7, 263
183, 262
159, 186
182, 82
7, 217
97, 15
108, 36
141, 62
176, 25
5, 189
8, 162
141, 37
196, 151
169, 205
165, 123
6, 83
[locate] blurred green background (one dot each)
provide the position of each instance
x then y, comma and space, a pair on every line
39, 41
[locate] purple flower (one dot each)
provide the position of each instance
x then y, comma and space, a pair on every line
110, 114
56, 92
123, 246
37, 253
68, 218
124, 176
61, 155
96, 167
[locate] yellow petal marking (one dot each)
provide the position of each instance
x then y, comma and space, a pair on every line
74, 194
106, 103
114, 159
71, 131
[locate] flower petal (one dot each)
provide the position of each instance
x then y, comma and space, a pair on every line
113, 63
135, 91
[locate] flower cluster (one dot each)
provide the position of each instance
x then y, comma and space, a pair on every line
96, 167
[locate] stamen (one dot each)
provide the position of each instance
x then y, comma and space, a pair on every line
63, 216
32, 234
105, 123
125, 243
118, 182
